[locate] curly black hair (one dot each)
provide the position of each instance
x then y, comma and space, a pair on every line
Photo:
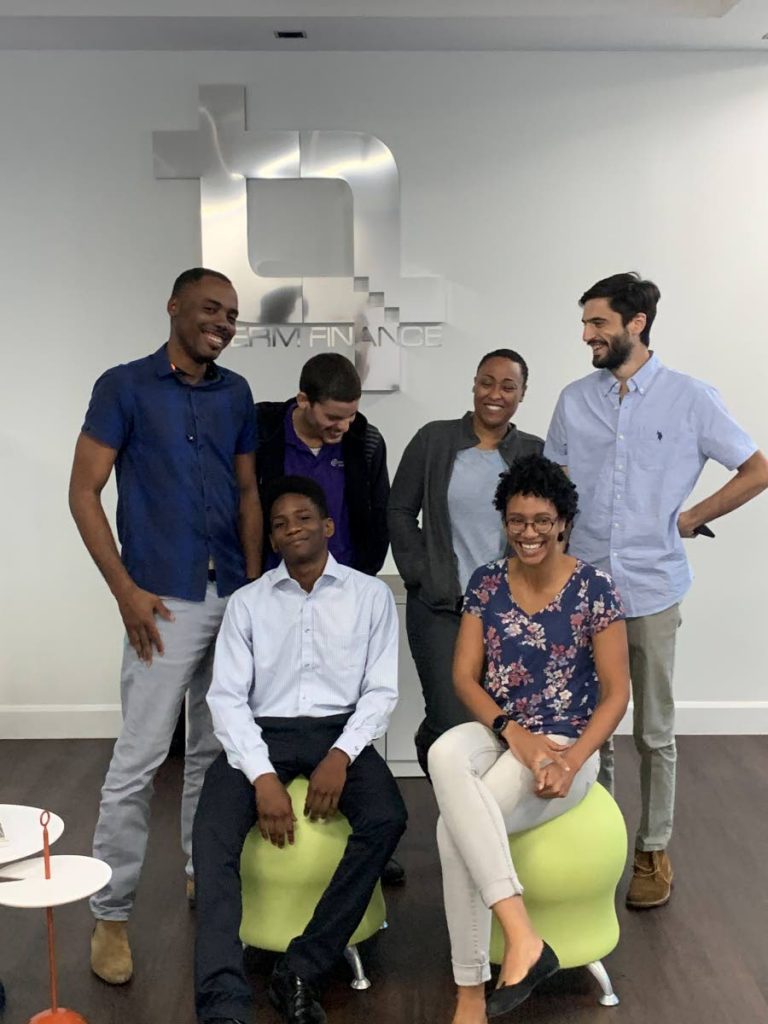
542, 478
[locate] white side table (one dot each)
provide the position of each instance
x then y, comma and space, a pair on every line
44, 882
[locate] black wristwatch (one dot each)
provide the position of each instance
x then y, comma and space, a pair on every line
499, 724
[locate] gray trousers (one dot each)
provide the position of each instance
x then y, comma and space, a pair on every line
651, 664
151, 698
484, 793
432, 638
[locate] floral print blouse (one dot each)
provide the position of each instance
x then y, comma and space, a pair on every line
539, 668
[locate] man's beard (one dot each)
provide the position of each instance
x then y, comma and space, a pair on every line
619, 351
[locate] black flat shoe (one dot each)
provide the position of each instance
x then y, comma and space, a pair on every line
292, 997
507, 997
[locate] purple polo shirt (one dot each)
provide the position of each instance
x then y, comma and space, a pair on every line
326, 468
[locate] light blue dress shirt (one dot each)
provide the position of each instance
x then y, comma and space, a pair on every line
634, 463
282, 652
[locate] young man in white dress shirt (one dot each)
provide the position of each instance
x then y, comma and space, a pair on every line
304, 679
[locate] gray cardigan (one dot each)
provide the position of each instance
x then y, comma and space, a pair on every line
424, 555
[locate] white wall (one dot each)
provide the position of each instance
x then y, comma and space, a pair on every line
525, 177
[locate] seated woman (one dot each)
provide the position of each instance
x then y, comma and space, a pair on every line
541, 663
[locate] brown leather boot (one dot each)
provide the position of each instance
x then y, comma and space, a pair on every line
651, 880
110, 953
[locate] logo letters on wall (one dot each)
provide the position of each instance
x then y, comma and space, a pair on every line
376, 311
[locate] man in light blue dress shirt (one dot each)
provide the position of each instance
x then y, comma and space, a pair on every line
634, 437
304, 679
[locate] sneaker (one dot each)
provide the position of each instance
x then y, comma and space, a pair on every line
110, 952
651, 880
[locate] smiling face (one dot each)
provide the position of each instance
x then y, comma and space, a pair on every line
612, 342
498, 390
326, 421
533, 527
298, 531
203, 318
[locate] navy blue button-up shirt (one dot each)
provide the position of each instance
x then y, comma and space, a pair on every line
178, 498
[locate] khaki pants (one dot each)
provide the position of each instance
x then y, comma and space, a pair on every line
651, 664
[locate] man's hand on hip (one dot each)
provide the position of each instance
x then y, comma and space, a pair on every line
138, 609
326, 784
275, 810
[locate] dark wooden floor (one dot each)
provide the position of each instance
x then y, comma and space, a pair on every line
703, 958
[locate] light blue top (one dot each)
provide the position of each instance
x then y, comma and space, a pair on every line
634, 463
284, 653
476, 530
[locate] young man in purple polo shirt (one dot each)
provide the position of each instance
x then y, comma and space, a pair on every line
179, 432
634, 437
321, 434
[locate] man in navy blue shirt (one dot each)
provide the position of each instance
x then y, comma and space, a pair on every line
179, 432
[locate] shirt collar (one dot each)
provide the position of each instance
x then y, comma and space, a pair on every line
639, 381
332, 570
164, 367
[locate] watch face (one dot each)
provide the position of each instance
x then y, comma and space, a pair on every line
499, 723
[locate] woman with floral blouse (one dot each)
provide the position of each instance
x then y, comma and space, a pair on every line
541, 663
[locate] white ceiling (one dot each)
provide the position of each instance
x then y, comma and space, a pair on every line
384, 24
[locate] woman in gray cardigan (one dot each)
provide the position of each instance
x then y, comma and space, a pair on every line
449, 472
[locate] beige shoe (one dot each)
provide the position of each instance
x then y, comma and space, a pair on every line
110, 953
191, 892
651, 880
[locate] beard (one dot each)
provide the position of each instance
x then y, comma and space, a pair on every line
619, 351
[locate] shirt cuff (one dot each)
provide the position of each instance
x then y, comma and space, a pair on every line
255, 765
352, 743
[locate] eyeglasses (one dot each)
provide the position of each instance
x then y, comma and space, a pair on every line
541, 524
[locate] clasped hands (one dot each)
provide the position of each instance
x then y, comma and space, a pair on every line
546, 758
276, 818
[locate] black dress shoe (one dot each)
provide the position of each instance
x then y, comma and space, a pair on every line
222, 1020
507, 997
393, 873
294, 998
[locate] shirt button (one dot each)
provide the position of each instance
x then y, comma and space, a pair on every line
621, 437
190, 437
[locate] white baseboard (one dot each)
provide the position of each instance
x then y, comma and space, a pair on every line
92, 721
714, 718
59, 721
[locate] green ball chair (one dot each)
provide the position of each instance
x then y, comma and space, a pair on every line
281, 888
569, 868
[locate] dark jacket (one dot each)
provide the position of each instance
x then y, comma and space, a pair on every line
366, 481
424, 554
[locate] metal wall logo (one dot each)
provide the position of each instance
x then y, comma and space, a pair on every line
375, 312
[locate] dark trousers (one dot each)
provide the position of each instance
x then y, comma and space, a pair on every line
226, 812
432, 638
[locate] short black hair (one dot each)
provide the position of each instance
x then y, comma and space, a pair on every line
330, 376
542, 478
507, 353
194, 275
302, 485
628, 294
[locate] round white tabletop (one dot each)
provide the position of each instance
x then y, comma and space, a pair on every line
23, 831
72, 878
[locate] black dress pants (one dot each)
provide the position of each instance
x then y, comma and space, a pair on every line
432, 638
227, 811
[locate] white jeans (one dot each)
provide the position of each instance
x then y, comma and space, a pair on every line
484, 793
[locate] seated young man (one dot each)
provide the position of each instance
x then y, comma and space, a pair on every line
304, 678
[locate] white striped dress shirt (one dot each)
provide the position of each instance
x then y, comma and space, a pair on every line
284, 653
